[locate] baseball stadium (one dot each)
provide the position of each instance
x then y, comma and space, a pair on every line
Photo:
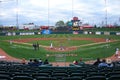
74, 50
61, 49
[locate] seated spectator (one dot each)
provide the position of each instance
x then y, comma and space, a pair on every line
103, 64
46, 62
75, 62
23, 61
30, 62
110, 63
97, 62
40, 62
36, 62
81, 62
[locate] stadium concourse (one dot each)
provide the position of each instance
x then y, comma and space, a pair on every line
6, 57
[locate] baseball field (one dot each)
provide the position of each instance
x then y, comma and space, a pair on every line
70, 46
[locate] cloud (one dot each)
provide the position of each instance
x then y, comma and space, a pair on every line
42, 11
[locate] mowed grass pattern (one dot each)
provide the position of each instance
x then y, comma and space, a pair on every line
63, 42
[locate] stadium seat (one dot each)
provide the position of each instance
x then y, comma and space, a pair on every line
60, 71
80, 75
45, 71
96, 78
40, 75
59, 75
114, 77
75, 71
46, 78
5, 77
5, 73
112, 74
21, 74
96, 74
22, 78
72, 78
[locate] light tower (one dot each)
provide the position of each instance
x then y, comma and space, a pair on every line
106, 13
48, 12
72, 8
17, 23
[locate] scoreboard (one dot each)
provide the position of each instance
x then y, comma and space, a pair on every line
75, 26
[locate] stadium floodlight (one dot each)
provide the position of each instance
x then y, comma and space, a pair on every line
106, 13
72, 8
17, 10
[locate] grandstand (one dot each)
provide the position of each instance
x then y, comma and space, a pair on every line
18, 71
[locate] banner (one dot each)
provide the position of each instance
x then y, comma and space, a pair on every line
46, 31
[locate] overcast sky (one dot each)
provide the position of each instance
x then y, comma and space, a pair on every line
48, 12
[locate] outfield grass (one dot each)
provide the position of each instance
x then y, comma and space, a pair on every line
86, 52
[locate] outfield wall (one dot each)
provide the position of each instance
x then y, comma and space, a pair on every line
39, 33
101, 33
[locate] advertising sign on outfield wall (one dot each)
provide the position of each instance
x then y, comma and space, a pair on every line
46, 31
75, 32
27, 33
85, 32
118, 33
11, 34
112, 33
8, 34
106, 33
39, 32
98, 33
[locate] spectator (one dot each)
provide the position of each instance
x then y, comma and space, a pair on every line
81, 62
40, 62
23, 61
36, 62
97, 62
110, 63
75, 62
103, 64
46, 61
30, 62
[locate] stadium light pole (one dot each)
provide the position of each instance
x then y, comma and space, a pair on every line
48, 12
16, 11
0, 6
17, 24
72, 8
105, 13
